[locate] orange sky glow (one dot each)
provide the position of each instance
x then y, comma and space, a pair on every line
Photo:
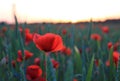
59, 10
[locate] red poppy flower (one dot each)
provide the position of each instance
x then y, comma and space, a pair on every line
116, 57
55, 63
37, 61
33, 72
115, 46
105, 29
66, 51
28, 36
4, 29
13, 63
96, 37
75, 79
40, 79
96, 62
27, 55
64, 31
80, 50
49, 42
110, 45
27, 30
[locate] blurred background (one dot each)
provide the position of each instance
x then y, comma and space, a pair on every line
31, 11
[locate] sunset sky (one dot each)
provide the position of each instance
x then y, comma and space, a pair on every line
59, 10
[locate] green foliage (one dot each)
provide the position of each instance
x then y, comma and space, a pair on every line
69, 71
79, 65
50, 71
77, 61
89, 73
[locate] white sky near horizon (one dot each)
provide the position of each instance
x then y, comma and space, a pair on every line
59, 10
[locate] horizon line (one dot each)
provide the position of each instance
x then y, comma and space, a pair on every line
61, 21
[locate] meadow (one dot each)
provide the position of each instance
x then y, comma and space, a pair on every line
60, 52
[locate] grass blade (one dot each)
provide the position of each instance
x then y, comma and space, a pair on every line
89, 74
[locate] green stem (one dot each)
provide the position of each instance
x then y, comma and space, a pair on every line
46, 65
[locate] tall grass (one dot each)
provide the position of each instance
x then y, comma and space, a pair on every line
79, 65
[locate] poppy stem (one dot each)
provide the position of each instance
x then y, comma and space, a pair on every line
46, 54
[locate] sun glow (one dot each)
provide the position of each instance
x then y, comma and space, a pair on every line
59, 10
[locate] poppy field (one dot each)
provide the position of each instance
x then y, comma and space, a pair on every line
60, 52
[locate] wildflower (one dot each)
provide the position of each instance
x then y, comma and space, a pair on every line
49, 42
115, 46
64, 31
109, 45
28, 36
27, 55
4, 29
37, 61
96, 62
80, 50
96, 37
116, 57
107, 63
75, 79
33, 72
27, 30
66, 51
55, 63
40, 79
105, 29
13, 63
